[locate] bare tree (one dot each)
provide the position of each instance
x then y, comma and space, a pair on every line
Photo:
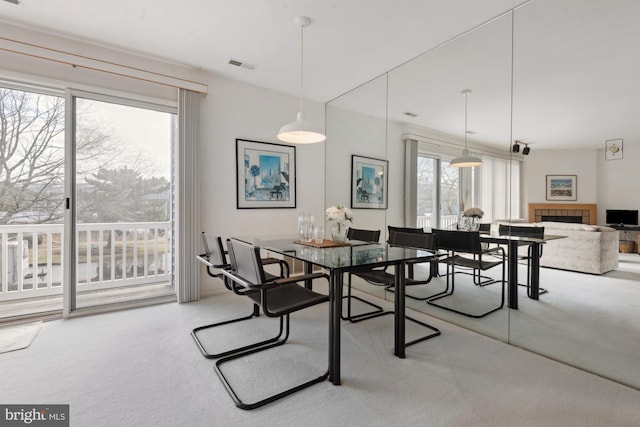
32, 157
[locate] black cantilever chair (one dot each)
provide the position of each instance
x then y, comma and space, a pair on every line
382, 277
461, 243
215, 257
537, 232
373, 236
278, 298
362, 235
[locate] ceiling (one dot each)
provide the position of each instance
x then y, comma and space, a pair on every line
348, 42
575, 82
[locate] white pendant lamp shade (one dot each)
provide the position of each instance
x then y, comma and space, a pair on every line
301, 131
466, 160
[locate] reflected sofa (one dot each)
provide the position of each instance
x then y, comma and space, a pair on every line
587, 248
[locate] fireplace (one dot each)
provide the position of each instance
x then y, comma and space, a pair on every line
560, 218
564, 212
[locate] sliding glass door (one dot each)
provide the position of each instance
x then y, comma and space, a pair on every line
438, 194
122, 212
31, 200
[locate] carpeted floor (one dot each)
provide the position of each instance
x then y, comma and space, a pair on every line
140, 367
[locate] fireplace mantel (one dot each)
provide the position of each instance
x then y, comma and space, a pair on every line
588, 212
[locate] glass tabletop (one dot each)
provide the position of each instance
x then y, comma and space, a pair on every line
355, 255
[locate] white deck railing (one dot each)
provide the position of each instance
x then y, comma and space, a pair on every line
446, 221
107, 256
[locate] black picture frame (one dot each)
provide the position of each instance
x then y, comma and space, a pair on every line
369, 183
265, 175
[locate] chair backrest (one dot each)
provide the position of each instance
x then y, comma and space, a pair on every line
363, 235
413, 240
485, 227
247, 261
392, 229
512, 230
214, 250
458, 241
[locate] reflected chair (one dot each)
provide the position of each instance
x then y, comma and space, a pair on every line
381, 277
372, 236
465, 250
278, 298
215, 257
536, 232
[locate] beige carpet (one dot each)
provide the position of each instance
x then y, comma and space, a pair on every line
17, 337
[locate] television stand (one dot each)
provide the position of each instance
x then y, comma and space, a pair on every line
623, 227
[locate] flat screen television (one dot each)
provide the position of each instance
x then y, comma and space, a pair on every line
622, 217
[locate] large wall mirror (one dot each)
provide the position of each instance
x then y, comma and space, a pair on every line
576, 86
562, 80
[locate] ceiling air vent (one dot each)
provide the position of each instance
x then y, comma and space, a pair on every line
241, 64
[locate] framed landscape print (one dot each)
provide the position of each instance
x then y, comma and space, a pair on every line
562, 187
265, 175
369, 183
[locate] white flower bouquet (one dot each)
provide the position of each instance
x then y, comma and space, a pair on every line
473, 213
339, 214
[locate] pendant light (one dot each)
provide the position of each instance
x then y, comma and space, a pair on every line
301, 131
466, 160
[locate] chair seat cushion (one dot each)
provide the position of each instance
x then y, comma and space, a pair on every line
286, 299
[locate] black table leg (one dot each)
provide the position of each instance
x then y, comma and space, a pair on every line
335, 309
398, 318
512, 256
535, 272
308, 269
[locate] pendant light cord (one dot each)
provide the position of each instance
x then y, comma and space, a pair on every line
466, 98
301, 63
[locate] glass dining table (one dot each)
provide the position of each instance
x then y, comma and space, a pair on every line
351, 256
513, 243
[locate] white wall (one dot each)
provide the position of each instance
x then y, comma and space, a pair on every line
237, 110
618, 180
609, 184
540, 163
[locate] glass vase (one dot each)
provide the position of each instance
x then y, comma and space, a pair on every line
339, 232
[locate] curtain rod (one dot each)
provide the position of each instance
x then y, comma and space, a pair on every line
86, 62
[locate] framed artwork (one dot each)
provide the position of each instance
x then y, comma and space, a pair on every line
613, 149
562, 187
369, 183
265, 175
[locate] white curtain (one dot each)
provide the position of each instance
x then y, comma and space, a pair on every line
187, 200
500, 188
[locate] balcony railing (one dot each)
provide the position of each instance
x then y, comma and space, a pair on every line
446, 221
107, 256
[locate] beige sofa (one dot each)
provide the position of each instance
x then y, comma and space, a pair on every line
587, 248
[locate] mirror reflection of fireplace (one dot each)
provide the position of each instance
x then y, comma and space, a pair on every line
562, 218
